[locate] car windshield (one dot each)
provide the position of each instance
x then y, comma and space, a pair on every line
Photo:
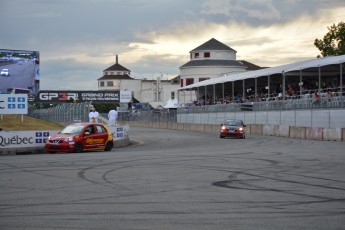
233, 123
72, 129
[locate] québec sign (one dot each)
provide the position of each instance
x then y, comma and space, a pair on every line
14, 139
13, 104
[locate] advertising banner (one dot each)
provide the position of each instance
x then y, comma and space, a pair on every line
125, 96
77, 96
15, 139
13, 104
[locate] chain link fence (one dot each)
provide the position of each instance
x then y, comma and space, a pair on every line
79, 112
290, 104
64, 113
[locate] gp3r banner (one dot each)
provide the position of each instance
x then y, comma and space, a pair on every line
77, 96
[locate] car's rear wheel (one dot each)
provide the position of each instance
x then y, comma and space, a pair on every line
109, 146
78, 148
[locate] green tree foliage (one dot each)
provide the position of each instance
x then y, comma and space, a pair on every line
333, 43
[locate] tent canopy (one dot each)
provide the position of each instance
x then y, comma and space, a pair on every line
296, 66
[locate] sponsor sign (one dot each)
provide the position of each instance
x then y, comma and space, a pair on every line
125, 96
119, 133
15, 139
78, 96
13, 104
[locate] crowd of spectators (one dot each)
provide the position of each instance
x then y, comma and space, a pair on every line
292, 92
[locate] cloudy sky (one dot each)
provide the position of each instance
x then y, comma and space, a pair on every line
78, 39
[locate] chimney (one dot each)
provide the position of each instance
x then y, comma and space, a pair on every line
117, 59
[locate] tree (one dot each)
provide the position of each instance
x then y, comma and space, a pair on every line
333, 43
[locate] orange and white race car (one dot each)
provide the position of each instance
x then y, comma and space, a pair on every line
78, 137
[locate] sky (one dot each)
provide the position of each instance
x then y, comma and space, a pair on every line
78, 39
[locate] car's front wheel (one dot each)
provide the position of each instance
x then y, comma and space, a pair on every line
78, 148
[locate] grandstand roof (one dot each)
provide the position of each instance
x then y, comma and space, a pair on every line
296, 66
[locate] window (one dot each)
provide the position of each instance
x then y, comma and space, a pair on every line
110, 83
206, 54
172, 95
100, 129
196, 55
203, 79
101, 84
181, 83
189, 81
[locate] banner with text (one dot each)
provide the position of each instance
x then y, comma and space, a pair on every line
77, 96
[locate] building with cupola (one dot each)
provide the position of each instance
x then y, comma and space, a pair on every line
155, 92
210, 60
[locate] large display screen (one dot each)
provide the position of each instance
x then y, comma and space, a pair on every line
20, 71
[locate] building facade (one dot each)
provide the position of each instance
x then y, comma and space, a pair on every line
155, 92
210, 60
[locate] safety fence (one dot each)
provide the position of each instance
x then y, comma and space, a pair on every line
78, 112
64, 112
289, 104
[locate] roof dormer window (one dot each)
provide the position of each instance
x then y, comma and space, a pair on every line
206, 54
196, 55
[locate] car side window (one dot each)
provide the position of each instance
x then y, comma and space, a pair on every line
90, 129
100, 129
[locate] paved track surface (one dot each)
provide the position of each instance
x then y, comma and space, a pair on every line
179, 180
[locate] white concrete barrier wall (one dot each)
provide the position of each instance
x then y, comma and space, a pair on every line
301, 118
332, 134
314, 133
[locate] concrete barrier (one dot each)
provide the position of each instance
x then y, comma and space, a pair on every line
268, 130
255, 129
283, 131
314, 133
332, 134
310, 133
201, 128
297, 132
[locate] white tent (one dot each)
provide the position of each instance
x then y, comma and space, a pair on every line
171, 104
300, 65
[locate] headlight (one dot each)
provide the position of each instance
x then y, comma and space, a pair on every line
241, 129
68, 139
223, 127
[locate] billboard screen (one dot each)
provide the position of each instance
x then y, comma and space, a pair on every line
20, 71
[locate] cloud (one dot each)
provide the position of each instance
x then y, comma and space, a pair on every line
258, 9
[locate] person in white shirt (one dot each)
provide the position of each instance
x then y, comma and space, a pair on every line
112, 116
93, 116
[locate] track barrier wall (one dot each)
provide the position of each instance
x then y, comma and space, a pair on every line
308, 133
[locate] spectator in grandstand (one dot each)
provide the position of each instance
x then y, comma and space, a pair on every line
329, 94
316, 97
289, 90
